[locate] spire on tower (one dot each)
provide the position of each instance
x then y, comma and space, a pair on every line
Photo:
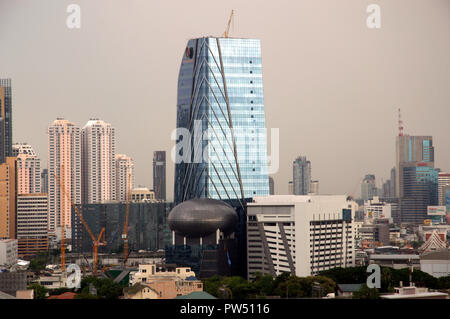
400, 123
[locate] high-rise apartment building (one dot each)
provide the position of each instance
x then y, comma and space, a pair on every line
314, 188
443, 181
301, 235
28, 169
159, 174
301, 176
124, 176
5, 119
368, 187
98, 162
8, 195
32, 223
221, 148
64, 163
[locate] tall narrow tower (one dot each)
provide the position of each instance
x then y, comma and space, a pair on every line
159, 174
221, 105
98, 162
5, 119
64, 162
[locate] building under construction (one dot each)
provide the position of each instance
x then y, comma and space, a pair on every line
147, 226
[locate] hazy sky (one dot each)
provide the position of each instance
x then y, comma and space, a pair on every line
331, 85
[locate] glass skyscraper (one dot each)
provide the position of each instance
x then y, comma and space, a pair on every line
5, 119
221, 148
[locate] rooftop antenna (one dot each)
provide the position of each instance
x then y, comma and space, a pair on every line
227, 30
400, 123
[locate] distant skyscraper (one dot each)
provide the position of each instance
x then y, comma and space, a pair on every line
290, 188
5, 119
368, 187
412, 149
271, 186
302, 176
221, 104
64, 161
44, 181
28, 169
98, 162
443, 181
419, 190
159, 174
415, 162
124, 167
8, 196
393, 183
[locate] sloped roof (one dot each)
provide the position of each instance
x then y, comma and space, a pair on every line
4, 295
437, 255
349, 287
434, 242
136, 288
197, 295
66, 295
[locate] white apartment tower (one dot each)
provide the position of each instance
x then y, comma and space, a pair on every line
98, 162
28, 169
299, 234
124, 167
64, 162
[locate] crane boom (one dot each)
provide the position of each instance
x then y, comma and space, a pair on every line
227, 30
95, 242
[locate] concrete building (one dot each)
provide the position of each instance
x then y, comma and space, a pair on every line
11, 282
142, 194
301, 176
124, 176
291, 188
396, 261
436, 263
32, 223
98, 151
413, 292
159, 174
28, 169
302, 235
8, 194
376, 209
8, 252
64, 162
165, 282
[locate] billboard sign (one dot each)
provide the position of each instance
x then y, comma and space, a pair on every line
436, 210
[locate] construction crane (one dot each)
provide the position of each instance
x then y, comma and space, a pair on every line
225, 34
125, 224
95, 241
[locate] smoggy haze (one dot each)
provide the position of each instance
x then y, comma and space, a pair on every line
331, 85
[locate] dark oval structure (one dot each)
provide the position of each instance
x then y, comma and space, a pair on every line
201, 217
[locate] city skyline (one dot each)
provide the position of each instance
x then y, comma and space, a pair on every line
386, 80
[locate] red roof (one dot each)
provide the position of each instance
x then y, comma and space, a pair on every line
66, 295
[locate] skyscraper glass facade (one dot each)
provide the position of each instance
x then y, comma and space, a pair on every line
5, 119
221, 134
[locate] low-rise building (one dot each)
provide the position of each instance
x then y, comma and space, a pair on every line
162, 282
413, 292
436, 263
396, 261
8, 252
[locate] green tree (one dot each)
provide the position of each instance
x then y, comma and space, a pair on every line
366, 293
106, 288
40, 292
